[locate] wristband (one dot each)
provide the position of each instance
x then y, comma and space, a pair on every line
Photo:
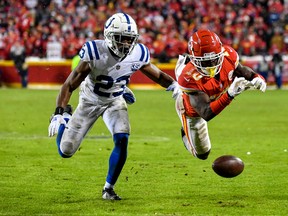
59, 111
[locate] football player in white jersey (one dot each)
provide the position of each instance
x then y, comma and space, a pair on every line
103, 74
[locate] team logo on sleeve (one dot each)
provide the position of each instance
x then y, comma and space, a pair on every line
82, 52
135, 67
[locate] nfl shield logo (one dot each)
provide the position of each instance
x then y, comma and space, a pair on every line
135, 67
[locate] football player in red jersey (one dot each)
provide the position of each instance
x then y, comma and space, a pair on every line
209, 79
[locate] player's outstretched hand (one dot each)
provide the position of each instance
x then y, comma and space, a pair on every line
237, 86
175, 88
55, 123
129, 96
259, 83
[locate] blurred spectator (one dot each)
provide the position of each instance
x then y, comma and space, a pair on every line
159, 49
277, 40
277, 69
246, 47
0, 78
3, 43
275, 8
54, 48
263, 68
285, 36
17, 54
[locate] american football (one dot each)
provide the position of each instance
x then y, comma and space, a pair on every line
228, 166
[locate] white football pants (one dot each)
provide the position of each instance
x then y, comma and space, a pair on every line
196, 137
89, 109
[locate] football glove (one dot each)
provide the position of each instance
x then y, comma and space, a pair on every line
237, 87
55, 123
175, 88
129, 96
259, 83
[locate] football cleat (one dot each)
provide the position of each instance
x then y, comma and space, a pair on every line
109, 194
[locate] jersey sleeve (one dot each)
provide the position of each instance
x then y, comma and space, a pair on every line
189, 79
89, 51
143, 53
232, 56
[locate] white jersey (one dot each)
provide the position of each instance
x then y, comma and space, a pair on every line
109, 77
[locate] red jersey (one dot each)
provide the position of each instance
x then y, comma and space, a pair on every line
190, 79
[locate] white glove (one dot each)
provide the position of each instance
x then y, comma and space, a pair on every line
55, 123
237, 86
175, 88
259, 83
129, 96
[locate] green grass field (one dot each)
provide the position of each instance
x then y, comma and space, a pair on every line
160, 176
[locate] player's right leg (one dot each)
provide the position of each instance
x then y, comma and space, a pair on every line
117, 121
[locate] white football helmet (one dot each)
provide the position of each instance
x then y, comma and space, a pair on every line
121, 34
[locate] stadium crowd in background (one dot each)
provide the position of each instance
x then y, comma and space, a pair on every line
249, 26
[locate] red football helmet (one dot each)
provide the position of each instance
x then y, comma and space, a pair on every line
206, 52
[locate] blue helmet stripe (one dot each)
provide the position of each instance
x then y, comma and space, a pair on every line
142, 53
89, 51
128, 22
95, 50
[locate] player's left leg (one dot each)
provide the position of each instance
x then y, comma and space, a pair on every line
81, 121
194, 132
197, 134
24, 77
117, 121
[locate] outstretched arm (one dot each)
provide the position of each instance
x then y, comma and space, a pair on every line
208, 109
244, 71
200, 101
158, 76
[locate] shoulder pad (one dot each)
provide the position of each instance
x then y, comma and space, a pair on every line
142, 53
89, 51
231, 55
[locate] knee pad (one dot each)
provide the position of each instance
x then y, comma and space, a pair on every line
67, 150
